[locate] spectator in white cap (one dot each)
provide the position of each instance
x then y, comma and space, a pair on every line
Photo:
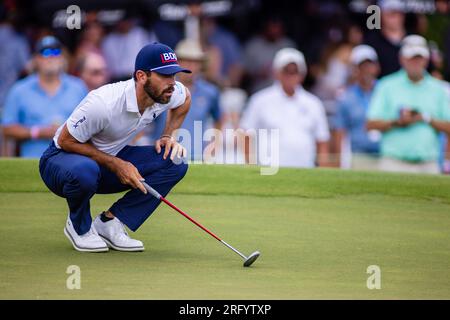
297, 114
349, 121
387, 41
410, 107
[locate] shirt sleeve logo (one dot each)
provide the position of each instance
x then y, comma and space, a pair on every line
79, 122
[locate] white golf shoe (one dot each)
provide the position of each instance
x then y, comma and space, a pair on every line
88, 242
113, 232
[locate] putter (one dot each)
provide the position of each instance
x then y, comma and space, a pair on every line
247, 260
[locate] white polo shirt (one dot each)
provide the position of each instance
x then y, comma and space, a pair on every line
301, 121
109, 116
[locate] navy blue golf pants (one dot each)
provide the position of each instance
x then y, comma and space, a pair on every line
78, 178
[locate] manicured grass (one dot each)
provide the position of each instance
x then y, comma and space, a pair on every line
317, 230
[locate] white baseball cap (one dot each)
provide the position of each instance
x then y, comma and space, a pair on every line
415, 45
286, 56
189, 49
363, 53
392, 5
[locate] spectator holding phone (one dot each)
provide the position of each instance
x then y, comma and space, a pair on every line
410, 107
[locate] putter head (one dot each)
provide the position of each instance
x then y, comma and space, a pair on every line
251, 258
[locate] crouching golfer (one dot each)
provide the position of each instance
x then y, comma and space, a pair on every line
90, 153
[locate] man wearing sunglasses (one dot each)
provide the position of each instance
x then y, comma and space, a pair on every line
37, 105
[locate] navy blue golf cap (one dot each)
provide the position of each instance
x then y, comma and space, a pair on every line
159, 58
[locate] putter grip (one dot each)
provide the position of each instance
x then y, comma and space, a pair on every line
152, 191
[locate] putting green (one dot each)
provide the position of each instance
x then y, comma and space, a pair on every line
318, 231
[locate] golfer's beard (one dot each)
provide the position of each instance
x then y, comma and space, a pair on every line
154, 96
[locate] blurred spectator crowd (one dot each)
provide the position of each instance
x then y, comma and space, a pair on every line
339, 94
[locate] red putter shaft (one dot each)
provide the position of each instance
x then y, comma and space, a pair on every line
189, 218
248, 260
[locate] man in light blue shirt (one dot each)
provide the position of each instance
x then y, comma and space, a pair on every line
37, 105
350, 118
205, 110
410, 107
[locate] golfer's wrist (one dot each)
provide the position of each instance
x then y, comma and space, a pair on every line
113, 163
167, 136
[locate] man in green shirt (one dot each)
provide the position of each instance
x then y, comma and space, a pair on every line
410, 107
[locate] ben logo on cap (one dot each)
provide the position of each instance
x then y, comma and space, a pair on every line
168, 57
159, 58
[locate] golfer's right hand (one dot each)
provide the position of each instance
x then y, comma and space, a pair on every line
128, 174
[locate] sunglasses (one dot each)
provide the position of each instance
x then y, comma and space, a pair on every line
50, 52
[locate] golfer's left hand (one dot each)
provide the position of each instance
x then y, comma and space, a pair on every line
170, 144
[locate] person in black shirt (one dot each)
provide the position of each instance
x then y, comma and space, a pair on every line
387, 40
